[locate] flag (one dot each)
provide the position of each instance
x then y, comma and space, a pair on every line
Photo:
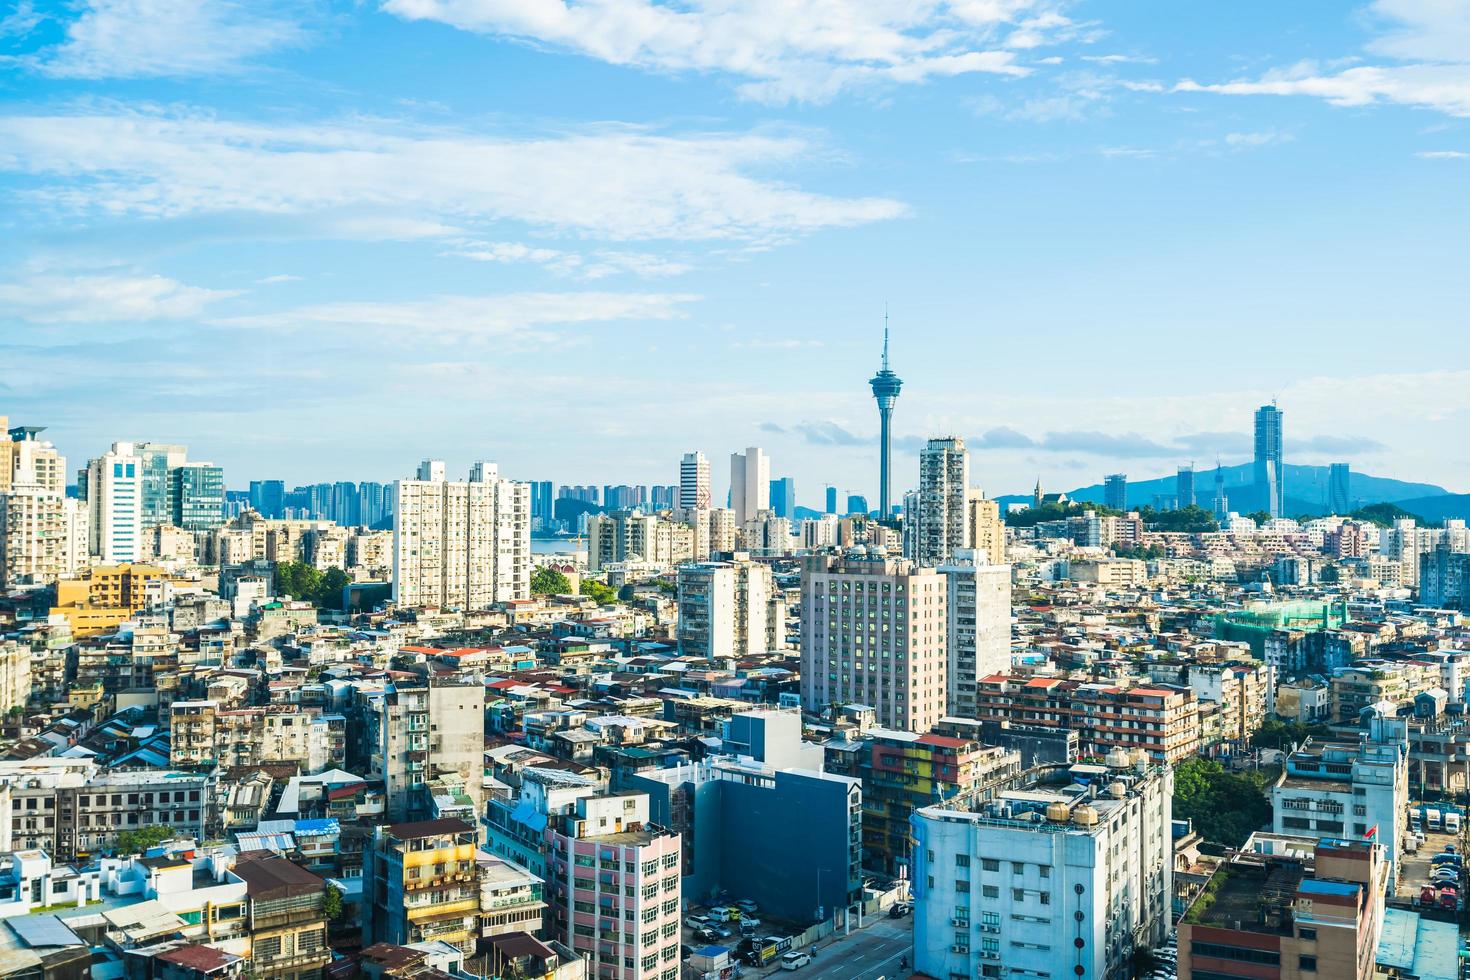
1372, 832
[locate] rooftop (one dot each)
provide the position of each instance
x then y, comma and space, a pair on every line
1250, 896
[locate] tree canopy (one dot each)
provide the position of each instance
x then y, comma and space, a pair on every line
604, 594
1226, 807
1277, 734
138, 841
299, 580
1192, 519
549, 581
1053, 511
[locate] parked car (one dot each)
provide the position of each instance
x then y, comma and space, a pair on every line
747, 906
795, 961
899, 909
697, 922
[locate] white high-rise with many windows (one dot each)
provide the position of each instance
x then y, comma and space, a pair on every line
461, 544
750, 484
694, 491
115, 504
941, 511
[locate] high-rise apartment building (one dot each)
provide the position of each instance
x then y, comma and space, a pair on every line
631, 535
1339, 487
1184, 486
978, 627
39, 525
115, 504
542, 500
830, 504
1046, 882
663, 496
729, 609
783, 497
750, 483
984, 529
1115, 491
374, 504
940, 513
462, 544
421, 884
873, 632
694, 490
428, 729
1268, 472
819, 533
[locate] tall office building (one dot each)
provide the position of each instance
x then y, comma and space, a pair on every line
694, 492
886, 386
783, 497
1339, 488
1269, 476
1115, 491
268, 498
831, 501
857, 504
462, 544
541, 500
1184, 486
977, 627
873, 632
156, 461
115, 504
1221, 502
374, 504
196, 496
750, 484
939, 520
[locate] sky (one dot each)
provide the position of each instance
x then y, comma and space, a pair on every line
322, 240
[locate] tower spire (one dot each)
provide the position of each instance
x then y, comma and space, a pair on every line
885, 336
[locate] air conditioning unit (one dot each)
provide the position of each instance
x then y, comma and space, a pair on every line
959, 948
989, 954
990, 929
960, 923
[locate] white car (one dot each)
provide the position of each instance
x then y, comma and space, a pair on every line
795, 961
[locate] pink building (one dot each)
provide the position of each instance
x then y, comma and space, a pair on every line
613, 884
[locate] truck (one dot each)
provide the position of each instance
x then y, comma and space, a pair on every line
1433, 819
1452, 822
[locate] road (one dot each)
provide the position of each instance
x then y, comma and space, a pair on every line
867, 954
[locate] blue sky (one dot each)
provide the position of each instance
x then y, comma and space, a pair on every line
322, 240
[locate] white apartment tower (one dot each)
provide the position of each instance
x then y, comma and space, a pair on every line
694, 493
750, 484
978, 626
461, 544
873, 633
941, 514
729, 609
115, 504
1047, 882
39, 525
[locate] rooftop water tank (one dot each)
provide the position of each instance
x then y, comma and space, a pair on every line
1118, 759
1058, 812
1084, 816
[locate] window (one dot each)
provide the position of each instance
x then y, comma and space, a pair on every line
650, 962
990, 918
990, 891
1018, 867
1307, 964
1308, 934
1045, 898
962, 860
1045, 871
989, 864
961, 885
1018, 894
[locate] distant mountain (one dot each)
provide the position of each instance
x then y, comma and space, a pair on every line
1439, 507
1306, 490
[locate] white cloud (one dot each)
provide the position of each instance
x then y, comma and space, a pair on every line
1443, 155
1430, 39
612, 183
282, 277
784, 51
109, 298
598, 264
1242, 140
150, 38
513, 314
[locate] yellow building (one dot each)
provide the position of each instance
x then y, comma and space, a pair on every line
105, 596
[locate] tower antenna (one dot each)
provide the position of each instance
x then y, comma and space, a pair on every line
885, 336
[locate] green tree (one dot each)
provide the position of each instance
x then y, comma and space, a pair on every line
602, 593
333, 582
1193, 519
1275, 733
138, 841
1226, 807
1259, 516
332, 904
307, 583
549, 581
1385, 514
1052, 511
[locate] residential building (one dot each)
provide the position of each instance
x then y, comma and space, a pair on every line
104, 596
750, 484
43, 533
426, 729
873, 632
1046, 882
287, 917
614, 883
631, 535
461, 544
783, 498
1268, 917
819, 533
512, 899
902, 772
730, 609
1358, 790
977, 627
15, 676
421, 884
1339, 488
984, 529
939, 512
1115, 491
1444, 579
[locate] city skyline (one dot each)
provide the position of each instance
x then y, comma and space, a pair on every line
512, 255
